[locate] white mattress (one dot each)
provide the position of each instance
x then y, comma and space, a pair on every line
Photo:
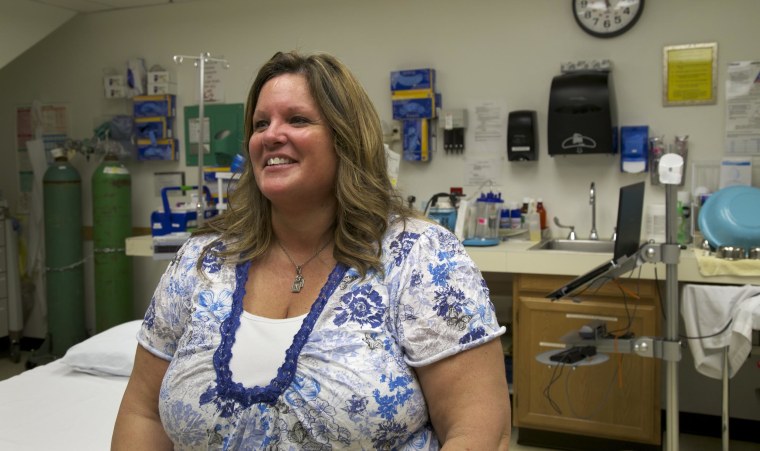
53, 407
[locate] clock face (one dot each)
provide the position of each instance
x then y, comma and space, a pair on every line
607, 18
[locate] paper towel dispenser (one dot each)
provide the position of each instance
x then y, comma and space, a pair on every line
582, 116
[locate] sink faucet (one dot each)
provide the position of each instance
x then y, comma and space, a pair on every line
572, 235
592, 201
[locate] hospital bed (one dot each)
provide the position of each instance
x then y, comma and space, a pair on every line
70, 403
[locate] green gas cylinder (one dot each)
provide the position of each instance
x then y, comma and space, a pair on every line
112, 225
64, 259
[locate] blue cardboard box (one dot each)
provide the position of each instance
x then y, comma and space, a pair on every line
159, 127
416, 140
423, 107
413, 80
159, 149
157, 105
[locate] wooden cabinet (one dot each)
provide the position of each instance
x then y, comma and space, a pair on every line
618, 399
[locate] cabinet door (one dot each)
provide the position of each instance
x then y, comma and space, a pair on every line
617, 399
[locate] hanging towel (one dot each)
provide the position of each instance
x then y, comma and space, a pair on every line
706, 311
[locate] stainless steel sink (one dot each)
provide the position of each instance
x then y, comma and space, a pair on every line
597, 246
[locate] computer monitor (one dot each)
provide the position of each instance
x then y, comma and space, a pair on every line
630, 212
627, 242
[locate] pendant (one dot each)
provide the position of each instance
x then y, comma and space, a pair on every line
297, 282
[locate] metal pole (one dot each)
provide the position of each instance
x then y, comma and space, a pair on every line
201, 206
201, 61
724, 414
672, 311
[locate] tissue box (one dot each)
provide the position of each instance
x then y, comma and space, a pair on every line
155, 105
160, 149
159, 127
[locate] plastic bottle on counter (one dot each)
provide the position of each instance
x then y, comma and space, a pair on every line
515, 215
524, 212
505, 221
534, 225
541, 212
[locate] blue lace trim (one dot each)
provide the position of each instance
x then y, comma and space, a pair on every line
235, 391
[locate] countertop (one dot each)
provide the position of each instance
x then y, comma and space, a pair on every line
514, 256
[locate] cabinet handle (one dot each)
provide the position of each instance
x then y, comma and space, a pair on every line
549, 344
611, 319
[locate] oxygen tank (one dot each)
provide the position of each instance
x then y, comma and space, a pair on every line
112, 225
64, 260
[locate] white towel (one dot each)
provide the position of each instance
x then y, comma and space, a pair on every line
706, 310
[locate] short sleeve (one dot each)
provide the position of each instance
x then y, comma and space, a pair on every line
444, 305
169, 308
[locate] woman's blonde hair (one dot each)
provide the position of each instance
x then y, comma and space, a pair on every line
366, 199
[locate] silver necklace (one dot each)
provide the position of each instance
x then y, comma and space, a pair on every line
299, 281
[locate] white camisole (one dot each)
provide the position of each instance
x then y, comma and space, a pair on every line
259, 348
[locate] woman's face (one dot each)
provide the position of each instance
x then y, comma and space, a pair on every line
291, 148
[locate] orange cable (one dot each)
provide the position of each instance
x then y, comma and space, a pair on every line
626, 290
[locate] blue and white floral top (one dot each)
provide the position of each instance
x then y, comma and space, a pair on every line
347, 381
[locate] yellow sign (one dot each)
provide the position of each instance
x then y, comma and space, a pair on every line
690, 73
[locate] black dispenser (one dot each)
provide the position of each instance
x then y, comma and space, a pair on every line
582, 116
522, 136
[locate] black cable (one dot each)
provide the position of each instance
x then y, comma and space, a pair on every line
547, 390
709, 336
603, 402
659, 294
433, 199
664, 315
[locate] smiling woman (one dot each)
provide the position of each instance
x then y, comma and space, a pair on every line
318, 311
291, 146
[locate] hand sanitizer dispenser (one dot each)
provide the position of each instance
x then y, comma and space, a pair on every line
522, 136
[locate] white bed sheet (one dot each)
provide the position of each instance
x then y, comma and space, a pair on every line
53, 407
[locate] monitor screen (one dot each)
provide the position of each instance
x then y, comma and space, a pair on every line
630, 211
627, 242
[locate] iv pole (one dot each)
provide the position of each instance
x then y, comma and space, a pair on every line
200, 62
672, 163
669, 347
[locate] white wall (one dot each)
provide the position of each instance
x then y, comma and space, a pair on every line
504, 51
23, 23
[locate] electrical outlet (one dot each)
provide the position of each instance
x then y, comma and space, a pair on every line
391, 133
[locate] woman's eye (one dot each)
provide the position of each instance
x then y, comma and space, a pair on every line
299, 120
259, 125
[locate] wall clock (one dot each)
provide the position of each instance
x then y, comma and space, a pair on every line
607, 18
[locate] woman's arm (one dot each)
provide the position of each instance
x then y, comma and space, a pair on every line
468, 399
138, 425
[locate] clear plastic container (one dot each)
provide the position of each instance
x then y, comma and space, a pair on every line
534, 226
488, 216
